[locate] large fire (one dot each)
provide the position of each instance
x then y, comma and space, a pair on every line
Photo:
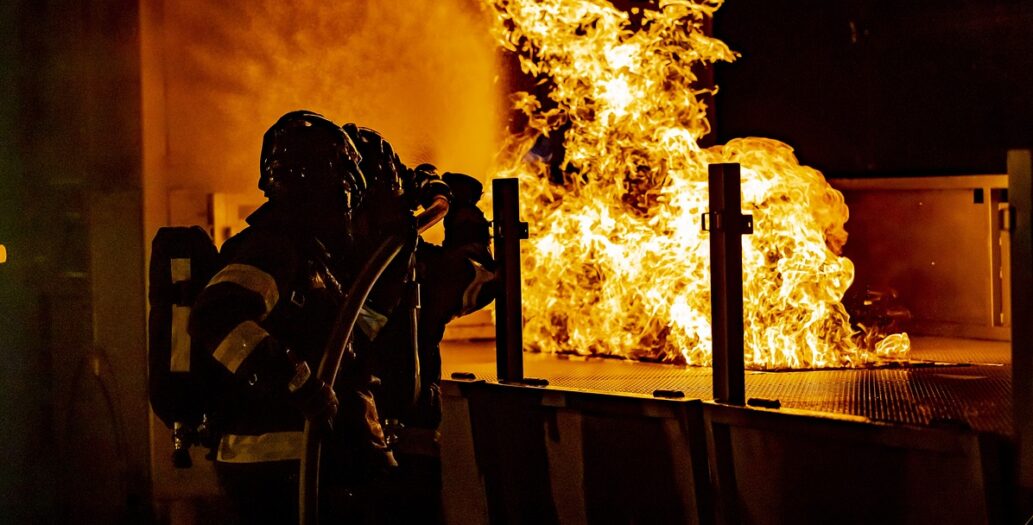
617, 263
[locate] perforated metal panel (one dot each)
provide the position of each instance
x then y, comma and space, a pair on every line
964, 383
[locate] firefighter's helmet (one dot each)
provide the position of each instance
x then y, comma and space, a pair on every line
306, 156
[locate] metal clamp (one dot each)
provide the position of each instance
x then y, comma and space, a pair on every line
742, 226
523, 231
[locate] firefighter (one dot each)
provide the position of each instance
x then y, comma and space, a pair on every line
266, 317
456, 278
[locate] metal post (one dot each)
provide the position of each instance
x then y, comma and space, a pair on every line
727, 225
509, 321
1020, 196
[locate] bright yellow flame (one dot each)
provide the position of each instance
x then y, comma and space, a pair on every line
3, 254
617, 263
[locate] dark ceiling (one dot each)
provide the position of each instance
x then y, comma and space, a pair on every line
878, 87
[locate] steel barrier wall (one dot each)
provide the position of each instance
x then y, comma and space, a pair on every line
537, 455
517, 454
771, 467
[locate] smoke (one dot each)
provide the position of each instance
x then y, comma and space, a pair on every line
420, 72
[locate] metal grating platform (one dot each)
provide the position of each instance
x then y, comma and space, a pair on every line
960, 383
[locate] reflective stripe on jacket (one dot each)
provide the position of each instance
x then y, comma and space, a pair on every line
272, 446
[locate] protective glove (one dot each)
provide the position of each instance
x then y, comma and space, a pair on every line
357, 449
428, 185
465, 222
313, 397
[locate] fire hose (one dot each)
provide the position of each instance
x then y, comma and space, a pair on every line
340, 338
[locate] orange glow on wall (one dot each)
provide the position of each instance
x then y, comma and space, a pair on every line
422, 73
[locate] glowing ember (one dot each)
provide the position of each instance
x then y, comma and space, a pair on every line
617, 264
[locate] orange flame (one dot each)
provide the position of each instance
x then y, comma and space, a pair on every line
617, 264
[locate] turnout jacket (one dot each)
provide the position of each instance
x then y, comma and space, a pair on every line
272, 306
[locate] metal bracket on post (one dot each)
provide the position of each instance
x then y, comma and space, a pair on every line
509, 320
727, 225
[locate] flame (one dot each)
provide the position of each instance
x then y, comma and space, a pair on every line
617, 264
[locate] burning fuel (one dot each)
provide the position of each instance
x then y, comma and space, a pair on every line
617, 263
